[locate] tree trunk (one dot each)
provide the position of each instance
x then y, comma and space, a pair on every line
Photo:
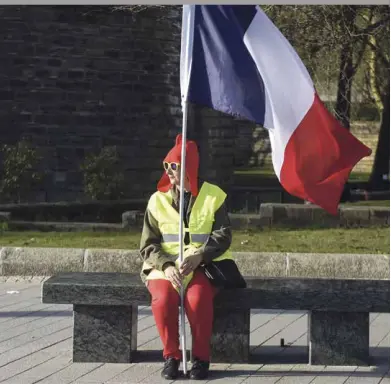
381, 164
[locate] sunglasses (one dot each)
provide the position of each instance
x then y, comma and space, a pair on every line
172, 166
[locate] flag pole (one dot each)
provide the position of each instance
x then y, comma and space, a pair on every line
188, 12
181, 237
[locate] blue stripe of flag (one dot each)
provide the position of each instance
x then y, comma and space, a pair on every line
224, 76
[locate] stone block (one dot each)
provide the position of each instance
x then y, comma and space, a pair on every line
328, 265
104, 288
253, 221
299, 214
318, 294
40, 261
104, 333
310, 214
266, 215
279, 214
244, 221
265, 222
323, 218
379, 216
131, 219
266, 211
354, 216
230, 341
112, 260
270, 264
338, 338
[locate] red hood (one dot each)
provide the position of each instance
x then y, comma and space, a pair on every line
192, 163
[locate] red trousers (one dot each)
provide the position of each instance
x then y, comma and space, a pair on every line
199, 310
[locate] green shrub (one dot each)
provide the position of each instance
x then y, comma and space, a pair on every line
3, 226
358, 111
20, 173
103, 177
365, 112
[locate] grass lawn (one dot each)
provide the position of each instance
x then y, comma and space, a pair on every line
360, 240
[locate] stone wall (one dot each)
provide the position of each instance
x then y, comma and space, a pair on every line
77, 78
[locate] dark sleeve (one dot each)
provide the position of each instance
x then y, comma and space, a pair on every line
150, 244
220, 238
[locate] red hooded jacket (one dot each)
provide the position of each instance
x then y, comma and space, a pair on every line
192, 164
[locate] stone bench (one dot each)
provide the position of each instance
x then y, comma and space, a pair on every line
105, 307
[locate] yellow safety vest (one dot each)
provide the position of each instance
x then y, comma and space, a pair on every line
209, 200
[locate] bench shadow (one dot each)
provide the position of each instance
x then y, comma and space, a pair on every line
377, 372
148, 356
35, 314
379, 356
275, 355
299, 355
145, 311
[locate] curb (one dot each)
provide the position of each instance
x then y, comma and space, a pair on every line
301, 215
270, 215
26, 261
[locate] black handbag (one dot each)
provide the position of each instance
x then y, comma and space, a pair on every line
224, 274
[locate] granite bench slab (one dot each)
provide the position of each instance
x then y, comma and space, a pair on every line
105, 314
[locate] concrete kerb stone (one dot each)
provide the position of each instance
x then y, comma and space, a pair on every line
110, 260
1, 262
49, 261
329, 265
380, 215
356, 216
265, 264
40, 261
239, 221
298, 215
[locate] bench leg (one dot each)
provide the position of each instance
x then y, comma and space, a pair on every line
104, 334
338, 338
231, 336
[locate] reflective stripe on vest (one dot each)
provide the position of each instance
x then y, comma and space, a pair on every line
209, 200
197, 238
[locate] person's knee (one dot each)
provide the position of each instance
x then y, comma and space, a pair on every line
163, 294
200, 296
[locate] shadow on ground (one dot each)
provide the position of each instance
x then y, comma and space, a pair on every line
38, 313
275, 355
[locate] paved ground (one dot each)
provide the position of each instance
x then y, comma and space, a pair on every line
36, 344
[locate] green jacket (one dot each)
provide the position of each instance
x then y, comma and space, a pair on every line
150, 244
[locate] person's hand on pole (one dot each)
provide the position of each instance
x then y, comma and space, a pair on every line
189, 264
173, 276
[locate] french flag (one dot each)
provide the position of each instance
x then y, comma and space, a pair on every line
235, 60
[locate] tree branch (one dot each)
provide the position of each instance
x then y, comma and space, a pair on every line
372, 27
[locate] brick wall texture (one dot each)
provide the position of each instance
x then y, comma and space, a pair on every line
77, 78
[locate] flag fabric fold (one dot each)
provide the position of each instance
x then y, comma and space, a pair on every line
235, 60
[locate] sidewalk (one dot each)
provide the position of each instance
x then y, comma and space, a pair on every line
36, 347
